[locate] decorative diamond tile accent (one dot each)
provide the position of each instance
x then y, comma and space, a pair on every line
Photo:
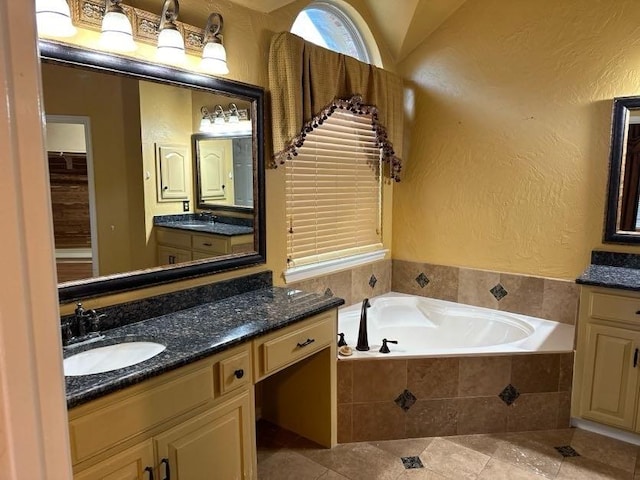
411, 462
372, 281
567, 451
328, 293
499, 292
509, 394
405, 400
422, 280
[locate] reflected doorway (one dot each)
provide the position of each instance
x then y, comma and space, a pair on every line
68, 141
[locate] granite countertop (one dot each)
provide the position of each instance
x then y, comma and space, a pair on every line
612, 270
201, 226
196, 333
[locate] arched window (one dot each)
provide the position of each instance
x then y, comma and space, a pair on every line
328, 25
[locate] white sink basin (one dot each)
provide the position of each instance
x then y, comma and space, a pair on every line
111, 357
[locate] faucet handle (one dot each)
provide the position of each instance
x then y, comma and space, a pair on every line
95, 319
384, 348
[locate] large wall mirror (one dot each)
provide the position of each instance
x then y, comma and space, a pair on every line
622, 224
156, 174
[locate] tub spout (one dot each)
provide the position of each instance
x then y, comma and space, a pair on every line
363, 340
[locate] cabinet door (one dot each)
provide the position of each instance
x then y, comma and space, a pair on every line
171, 255
216, 178
610, 376
216, 445
132, 464
172, 175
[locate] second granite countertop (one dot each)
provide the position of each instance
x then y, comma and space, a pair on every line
196, 333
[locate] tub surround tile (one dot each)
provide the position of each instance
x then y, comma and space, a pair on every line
433, 377
534, 411
197, 332
474, 288
550, 299
377, 421
428, 418
338, 283
483, 376
370, 280
345, 382
525, 294
564, 410
509, 394
566, 372
376, 380
345, 423
405, 400
560, 301
535, 373
422, 280
481, 415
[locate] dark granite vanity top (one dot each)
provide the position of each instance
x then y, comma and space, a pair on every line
195, 333
612, 270
203, 223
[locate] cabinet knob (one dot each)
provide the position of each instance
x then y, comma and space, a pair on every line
239, 373
635, 358
150, 470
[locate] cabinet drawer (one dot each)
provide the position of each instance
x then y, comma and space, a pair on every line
293, 343
173, 237
235, 372
129, 415
210, 243
615, 307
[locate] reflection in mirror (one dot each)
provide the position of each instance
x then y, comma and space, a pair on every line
622, 223
124, 183
224, 172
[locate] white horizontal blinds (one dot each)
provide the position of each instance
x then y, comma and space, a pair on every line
333, 191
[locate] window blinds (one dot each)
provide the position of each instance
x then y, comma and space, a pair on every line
333, 192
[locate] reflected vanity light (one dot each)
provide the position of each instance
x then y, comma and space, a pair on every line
170, 41
232, 122
53, 18
214, 56
117, 34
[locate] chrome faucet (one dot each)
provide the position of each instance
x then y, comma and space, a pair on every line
363, 340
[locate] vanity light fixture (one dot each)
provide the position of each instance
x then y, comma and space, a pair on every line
225, 123
170, 41
117, 34
53, 18
214, 56
234, 116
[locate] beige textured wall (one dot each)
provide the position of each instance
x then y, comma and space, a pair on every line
508, 153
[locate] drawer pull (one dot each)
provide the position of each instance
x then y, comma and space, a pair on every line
150, 470
239, 373
635, 359
207, 244
638, 312
167, 472
309, 341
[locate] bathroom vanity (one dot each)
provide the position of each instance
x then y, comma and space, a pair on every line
607, 370
190, 410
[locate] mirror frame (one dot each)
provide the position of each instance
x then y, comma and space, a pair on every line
72, 56
195, 152
619, 124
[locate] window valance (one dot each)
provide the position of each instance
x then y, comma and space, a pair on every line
308, 82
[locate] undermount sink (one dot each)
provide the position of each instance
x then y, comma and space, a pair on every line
111, 357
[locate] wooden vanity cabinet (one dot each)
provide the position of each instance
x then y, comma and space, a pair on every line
175, 246
607, 358
193, 421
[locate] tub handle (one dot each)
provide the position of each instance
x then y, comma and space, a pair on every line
384, 348
635, 359
309, 341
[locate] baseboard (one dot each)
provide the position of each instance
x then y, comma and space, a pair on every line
605, 430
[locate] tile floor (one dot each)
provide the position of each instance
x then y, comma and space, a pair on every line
557, 454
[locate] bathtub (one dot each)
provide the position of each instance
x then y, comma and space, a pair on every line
427, 327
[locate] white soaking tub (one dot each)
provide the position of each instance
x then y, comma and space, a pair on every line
426, 327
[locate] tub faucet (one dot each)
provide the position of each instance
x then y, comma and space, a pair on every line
363, 340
